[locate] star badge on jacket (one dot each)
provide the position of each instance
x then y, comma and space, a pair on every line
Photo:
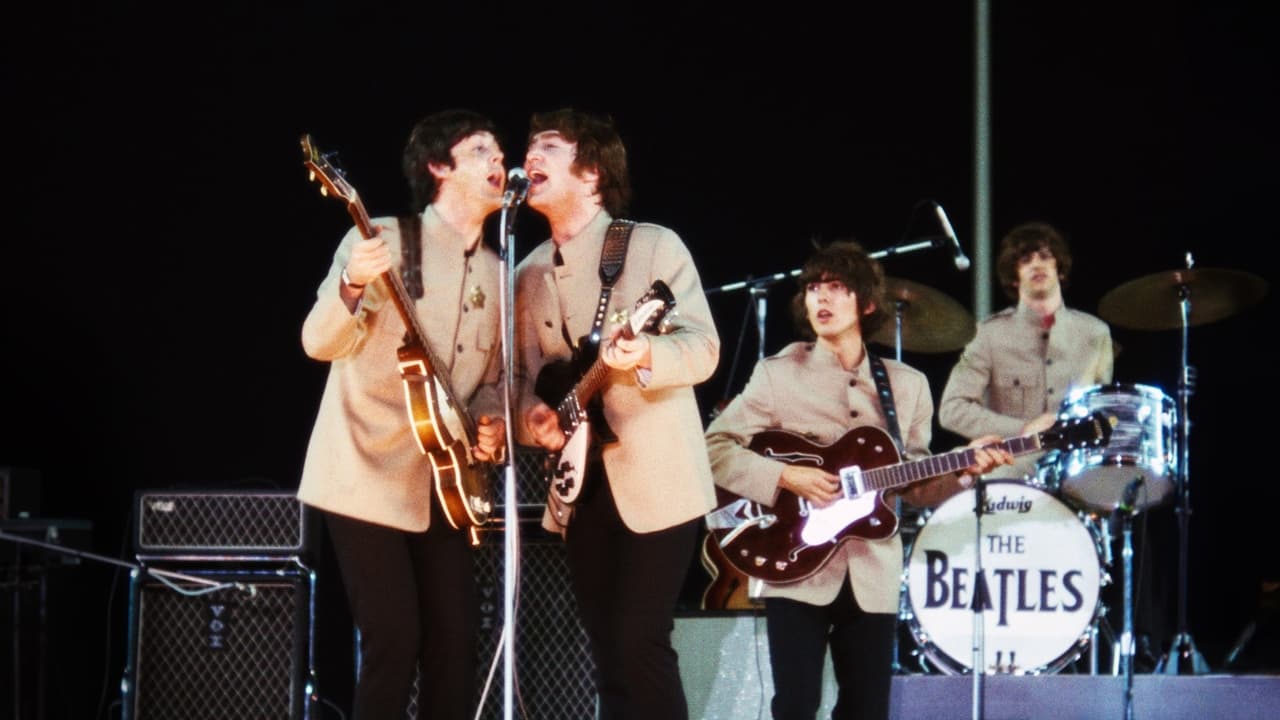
476, 297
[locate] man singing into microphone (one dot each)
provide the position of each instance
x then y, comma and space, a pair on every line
634, 526
409, 575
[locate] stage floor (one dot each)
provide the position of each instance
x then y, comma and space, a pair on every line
724, 663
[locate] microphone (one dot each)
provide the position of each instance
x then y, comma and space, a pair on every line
517, 187
962, 262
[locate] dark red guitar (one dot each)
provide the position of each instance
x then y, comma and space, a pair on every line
793, 539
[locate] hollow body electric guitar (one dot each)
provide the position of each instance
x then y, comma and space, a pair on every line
794, 538
444, 431
572, 387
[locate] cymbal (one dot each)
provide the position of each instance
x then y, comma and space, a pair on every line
932, 321
1153, 302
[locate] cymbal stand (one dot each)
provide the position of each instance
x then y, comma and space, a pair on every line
898, 306
1183, 657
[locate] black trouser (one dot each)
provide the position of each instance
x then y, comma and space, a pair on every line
626, 585
861, 656
413, 597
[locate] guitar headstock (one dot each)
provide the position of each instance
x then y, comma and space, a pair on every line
1092, 430
331, 179
651, 311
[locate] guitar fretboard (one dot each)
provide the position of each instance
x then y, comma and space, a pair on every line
891, 476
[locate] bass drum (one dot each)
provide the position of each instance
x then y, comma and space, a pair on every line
1041, 575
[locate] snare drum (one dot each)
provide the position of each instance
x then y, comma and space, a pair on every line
1142, 445
1041, 574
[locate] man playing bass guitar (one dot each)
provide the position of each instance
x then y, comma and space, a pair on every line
407, 571
820, 390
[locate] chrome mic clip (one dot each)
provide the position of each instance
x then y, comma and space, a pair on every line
517, 188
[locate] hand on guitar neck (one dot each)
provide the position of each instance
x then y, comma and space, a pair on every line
626, 350
370, 257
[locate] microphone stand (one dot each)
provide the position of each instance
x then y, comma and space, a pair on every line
135, 569
877, 255
979, 585
510, 520
758, 289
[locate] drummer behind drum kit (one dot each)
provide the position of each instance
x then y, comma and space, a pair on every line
1044, 560
1045, 551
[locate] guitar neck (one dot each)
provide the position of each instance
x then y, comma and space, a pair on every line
588, 385
591, 382
905, 473
414, 335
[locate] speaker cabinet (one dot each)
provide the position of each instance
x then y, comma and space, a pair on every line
212, 522
234, 645
553, 667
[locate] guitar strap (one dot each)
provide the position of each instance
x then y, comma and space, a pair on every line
612, 257
886, 399
411, 254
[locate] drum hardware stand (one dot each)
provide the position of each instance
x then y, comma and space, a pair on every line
1183, 657
1104, 544
1127, 510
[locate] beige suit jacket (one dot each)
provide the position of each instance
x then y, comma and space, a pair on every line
658, 470
363, 460
805, 390
1014, 370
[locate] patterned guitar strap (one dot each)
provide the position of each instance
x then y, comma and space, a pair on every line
612, 258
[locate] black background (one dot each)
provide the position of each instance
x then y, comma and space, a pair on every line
163, 243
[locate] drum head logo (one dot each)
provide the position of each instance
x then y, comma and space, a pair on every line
1038, 589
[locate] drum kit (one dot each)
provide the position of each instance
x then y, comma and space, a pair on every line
1045, 547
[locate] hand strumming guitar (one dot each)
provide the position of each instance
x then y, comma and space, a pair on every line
544, 425
491, 435
817, 486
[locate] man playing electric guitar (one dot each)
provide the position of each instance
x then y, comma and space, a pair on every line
821, 390
631, 534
